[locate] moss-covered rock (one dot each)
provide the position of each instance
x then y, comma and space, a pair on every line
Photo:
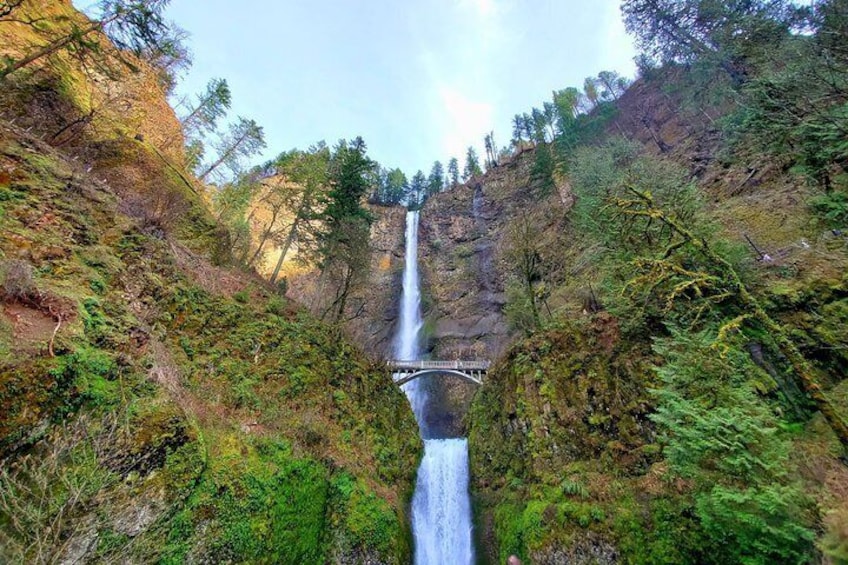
558, 435
150, 412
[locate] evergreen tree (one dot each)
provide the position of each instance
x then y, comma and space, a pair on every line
396, 187
795, 106
540, 125
137, 26
417, 189
472, 164
612, 84
549, 111
453, 172
436, 180
491, 150
566, 102
308, 172
590, 90
244, 139
527, 125
517, 129
211, 105
707, 30
343, 245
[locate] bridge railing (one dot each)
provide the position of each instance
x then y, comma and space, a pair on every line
401, 365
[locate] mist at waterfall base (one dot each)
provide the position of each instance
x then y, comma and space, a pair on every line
441, 508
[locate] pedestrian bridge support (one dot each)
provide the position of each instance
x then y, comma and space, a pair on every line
405, 371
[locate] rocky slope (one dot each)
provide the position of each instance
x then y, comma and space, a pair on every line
567, 465
156, 404
462, 240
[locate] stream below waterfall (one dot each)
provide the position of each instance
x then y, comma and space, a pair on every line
441, 506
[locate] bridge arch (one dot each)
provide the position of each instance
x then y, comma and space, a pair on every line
407, 377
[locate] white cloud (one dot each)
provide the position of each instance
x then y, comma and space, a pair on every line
462, 74
484, 8
464, 121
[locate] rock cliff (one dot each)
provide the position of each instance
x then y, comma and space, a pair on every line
462, 240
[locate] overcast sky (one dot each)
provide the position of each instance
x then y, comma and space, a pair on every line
419, 80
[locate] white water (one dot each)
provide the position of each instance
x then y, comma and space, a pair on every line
441, 509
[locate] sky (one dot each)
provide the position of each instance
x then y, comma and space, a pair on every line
419, 80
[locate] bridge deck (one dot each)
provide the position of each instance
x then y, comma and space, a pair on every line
405, 371
399, 366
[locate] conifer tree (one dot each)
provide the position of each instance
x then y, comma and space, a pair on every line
417, 189
453, 172
211, 105
517, 129
137, 26
343, 248
472, 164
396, 187
590, 90
436, 179
244, 139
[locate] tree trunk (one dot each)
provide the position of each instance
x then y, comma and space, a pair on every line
289, 240
56, 45
224, 156
265, 236
801, 367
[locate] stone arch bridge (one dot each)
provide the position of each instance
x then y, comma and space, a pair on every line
405, 371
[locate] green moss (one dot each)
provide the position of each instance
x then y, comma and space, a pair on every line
308, 406
365, 520
577, 396
264, 504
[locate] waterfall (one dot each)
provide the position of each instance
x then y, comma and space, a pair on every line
441, 508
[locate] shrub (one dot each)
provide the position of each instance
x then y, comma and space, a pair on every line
724, 438
832, 207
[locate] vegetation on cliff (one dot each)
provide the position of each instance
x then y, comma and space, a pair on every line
681, 398
160, 404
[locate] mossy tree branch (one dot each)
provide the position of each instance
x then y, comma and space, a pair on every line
723, 272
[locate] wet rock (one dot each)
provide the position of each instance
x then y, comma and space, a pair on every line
588, 549
461, 247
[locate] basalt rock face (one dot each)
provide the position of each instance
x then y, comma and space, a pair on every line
375, 329
373, 305
462, 240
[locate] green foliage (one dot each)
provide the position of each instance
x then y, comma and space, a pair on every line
543, 170
230, 365
724, 33
276, 305
725, 438
634, 251
244, 139
472, 164
270, 505
832, 207
574, 488
93, 373
661, 531
518, 310
366, 520
211, 106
